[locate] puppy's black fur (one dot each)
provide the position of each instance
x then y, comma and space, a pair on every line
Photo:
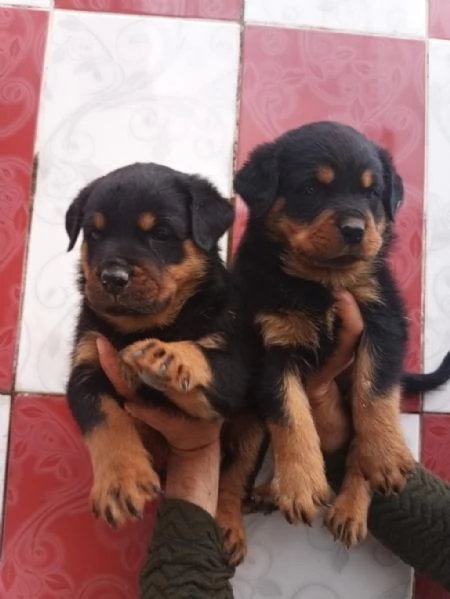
150, 270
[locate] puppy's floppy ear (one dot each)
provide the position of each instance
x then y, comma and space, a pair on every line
74, 215
393, 185
257, 181
211, 214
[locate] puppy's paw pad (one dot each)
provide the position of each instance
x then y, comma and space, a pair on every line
158, 364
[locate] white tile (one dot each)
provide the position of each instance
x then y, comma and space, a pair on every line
5, 410
437, 261
306, 563
118, 89
411, 430
393, 17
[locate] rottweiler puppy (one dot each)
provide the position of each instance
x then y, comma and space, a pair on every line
153, 284
322, 200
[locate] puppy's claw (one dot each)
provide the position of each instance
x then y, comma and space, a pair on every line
110, 518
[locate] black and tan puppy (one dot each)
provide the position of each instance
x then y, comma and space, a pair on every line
152, 282
322, 201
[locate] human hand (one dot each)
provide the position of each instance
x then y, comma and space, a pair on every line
332, 421
183, 433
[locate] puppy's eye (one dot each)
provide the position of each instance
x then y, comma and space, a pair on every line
310, 188
161, 233
94, 235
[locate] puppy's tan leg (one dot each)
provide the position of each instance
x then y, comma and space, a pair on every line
346, 519
245, 439
299, 485
379, 449
124, 478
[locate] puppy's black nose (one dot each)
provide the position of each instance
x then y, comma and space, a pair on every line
352, 230
115, 277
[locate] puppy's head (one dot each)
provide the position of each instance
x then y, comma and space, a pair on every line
148, 232
326, 193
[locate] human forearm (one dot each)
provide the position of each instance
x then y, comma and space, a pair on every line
193, 475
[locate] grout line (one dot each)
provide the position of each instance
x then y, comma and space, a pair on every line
236, 130
41, 394
413, 592
305, 27
5, 478
26, 7
425, 201
198, 19
25, 260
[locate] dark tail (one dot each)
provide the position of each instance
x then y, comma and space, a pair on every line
422, 383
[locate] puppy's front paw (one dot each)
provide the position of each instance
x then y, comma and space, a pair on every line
122, 486
159, 365
385, 465
301, 493
346, 519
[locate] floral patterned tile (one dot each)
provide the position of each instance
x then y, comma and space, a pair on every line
306, 563
426, 589
436, 444
53, 548
439, 19
118, 89
376, 84
202, 9
22, 43
391, 17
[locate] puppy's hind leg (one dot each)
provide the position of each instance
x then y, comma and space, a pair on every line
245, 439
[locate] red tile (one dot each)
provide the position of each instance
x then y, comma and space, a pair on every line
22, 42
425, 589
203, 9
436, 443
53, 548
376, 84
439, 19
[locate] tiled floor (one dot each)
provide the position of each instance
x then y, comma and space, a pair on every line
195, 84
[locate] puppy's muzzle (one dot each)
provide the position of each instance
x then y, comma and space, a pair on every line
115, 276
352, 230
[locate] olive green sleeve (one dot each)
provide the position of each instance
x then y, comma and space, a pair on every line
185, 558
415, 524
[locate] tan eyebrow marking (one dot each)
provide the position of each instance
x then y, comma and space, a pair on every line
99, 221
325, 174
367, 178
146, 221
